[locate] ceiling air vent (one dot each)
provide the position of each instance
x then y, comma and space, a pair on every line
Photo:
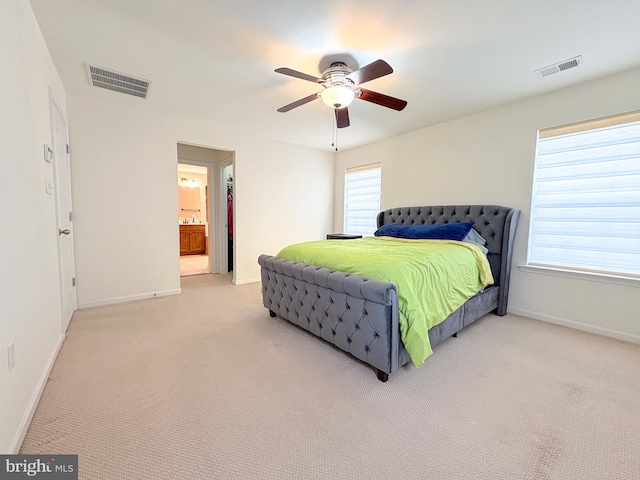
559, 67
103, 78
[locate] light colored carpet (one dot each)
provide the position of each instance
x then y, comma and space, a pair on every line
205, 385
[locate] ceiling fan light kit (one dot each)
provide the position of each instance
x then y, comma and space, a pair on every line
337, 96
342, 86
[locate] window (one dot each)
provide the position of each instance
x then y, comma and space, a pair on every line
585, 208
361, 199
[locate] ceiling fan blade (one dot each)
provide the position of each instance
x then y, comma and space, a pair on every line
381, 99
296, 74
342, 117
297, 103
374, 70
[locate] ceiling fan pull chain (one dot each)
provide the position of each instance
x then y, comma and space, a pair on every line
333, 130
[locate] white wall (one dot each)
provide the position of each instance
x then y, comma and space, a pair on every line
488, 158
282, 194
29, 285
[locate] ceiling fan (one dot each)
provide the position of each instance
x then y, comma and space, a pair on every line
342, 86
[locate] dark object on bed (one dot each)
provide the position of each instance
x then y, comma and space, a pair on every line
325, 301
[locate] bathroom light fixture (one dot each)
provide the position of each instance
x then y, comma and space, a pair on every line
188, 182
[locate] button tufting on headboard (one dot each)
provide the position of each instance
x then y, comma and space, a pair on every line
488, 220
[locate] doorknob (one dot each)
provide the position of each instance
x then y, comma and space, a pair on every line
66, 231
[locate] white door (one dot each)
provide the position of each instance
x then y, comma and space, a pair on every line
66, 262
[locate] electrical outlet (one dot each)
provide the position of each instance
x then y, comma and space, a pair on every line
11, 356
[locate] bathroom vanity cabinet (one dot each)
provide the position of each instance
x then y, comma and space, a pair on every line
193, 239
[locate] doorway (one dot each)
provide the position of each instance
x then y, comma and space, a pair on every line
209, 171
193, 218
227, 175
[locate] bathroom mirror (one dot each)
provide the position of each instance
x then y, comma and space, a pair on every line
189, 202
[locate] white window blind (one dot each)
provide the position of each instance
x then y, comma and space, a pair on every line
585, 209
361, 199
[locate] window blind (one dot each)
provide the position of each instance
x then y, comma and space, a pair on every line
361, 199
585, 212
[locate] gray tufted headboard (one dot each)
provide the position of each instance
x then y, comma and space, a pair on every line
495, 223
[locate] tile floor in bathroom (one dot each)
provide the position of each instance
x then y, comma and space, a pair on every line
194, 265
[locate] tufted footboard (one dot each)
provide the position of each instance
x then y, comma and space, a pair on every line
358, 315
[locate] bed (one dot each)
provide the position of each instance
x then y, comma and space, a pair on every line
360, 315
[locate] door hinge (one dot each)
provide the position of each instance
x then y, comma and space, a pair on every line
71, 216
67, 148
73, 282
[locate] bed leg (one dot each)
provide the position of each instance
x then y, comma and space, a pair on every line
382, 376
272, 313
455, 335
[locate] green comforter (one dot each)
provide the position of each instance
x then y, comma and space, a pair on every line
433, 277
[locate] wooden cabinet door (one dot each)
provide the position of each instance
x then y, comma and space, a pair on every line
184, 241
196, 242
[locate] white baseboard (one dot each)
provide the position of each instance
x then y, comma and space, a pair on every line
129, 298
248, 280
627, 337
14, 448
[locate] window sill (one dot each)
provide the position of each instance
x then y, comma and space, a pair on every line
592, 277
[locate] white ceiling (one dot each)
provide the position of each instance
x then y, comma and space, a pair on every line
213, 59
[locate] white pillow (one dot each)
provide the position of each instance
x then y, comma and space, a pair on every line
474, 237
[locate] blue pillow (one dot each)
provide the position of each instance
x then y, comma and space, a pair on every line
445, 231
